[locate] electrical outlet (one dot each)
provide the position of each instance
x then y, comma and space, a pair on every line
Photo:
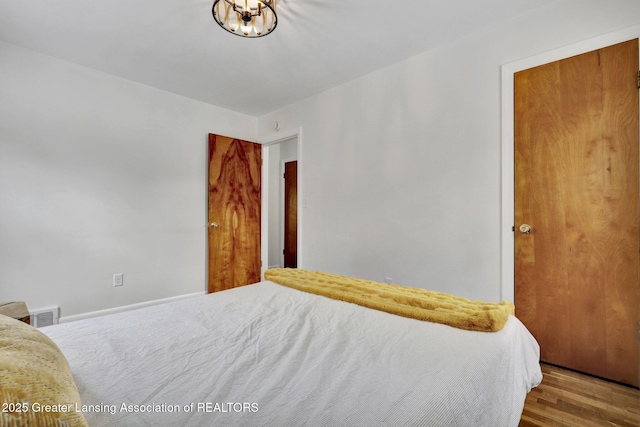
118, 280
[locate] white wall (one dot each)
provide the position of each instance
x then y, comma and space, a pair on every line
100, 175
414, 191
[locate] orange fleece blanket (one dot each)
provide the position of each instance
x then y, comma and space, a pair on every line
416, 303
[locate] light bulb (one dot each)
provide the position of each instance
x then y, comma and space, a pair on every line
246, 27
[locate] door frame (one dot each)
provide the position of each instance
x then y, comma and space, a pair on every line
507, 238
266, 142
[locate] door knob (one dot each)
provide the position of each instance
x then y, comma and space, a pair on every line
213, 224
525, 229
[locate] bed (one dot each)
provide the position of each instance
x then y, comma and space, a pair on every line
269, 355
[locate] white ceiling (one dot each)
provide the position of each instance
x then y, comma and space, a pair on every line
175, 45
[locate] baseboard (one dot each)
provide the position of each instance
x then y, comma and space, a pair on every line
123, 308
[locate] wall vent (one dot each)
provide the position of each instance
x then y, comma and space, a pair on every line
45, 317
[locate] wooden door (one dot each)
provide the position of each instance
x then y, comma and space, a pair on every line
576, 181
234, 212
291, 214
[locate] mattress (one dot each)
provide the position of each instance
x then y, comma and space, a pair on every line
268, 355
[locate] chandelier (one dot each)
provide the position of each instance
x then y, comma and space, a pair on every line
256, 18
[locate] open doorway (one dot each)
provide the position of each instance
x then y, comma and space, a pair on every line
282, 210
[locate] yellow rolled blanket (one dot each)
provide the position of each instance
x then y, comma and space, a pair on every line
416, 303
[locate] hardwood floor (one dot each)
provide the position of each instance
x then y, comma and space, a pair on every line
566, 398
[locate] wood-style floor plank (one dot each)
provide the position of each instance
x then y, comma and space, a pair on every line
567, 398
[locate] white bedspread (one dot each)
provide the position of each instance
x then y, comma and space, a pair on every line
267, 355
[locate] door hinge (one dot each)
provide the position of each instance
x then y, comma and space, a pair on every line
283, 252
638, 80
513, 228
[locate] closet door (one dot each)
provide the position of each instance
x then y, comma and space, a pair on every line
291, 214
576, 209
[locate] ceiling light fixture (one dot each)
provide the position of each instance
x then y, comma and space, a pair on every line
256, 18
